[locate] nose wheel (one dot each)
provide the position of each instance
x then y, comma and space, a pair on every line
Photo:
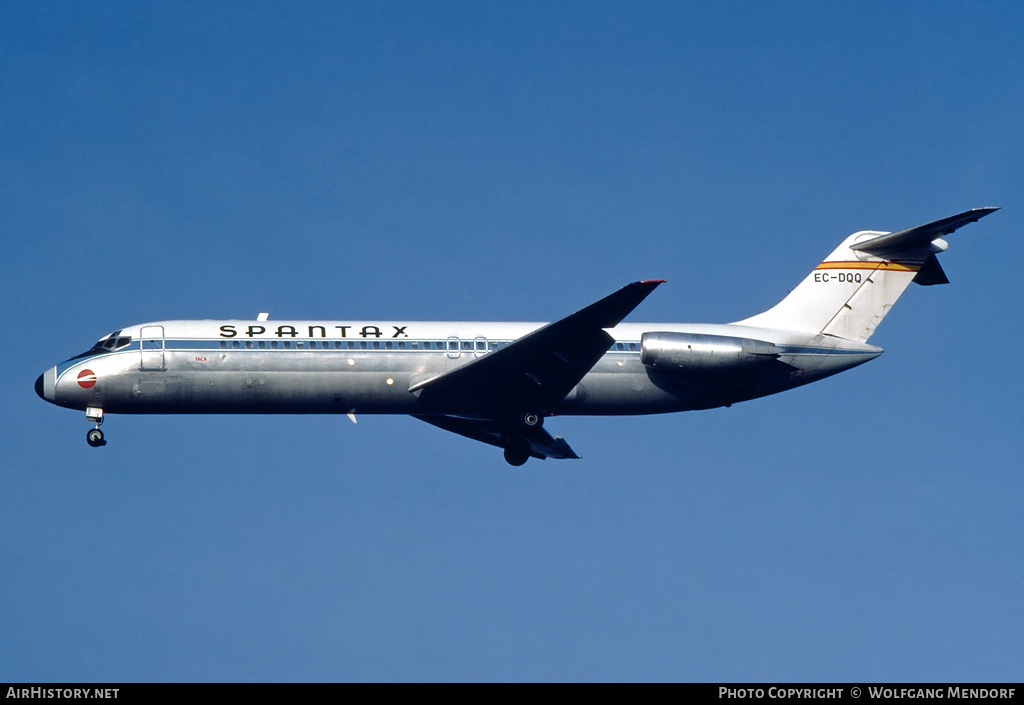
95, 436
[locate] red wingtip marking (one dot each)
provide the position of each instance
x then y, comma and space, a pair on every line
653, 281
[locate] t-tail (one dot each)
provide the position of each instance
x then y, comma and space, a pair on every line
849, 294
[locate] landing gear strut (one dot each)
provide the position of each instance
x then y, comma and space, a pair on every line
95, 436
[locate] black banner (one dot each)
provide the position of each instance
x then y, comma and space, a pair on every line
847, 692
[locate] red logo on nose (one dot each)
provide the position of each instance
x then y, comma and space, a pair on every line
86, 379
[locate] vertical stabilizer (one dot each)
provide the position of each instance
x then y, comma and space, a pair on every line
849, 294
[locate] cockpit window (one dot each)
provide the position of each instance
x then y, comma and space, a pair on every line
114, 341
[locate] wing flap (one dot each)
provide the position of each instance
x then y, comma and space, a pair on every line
542, 444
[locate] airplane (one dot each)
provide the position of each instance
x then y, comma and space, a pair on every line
497, 382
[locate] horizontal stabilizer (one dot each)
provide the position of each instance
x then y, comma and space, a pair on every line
921, 236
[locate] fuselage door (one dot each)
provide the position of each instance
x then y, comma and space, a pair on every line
453, 347
480, 346
152, 348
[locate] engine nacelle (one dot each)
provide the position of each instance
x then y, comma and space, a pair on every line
704, 353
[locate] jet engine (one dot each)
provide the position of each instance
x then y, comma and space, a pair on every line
704, 353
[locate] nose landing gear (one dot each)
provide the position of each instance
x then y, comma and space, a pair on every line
95, 436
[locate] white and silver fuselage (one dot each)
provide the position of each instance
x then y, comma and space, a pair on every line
368, 367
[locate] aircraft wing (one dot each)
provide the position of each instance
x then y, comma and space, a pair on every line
541, 368
542, 445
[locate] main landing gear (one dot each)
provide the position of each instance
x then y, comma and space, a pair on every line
95, 436
517, 451
517, 448
530, 420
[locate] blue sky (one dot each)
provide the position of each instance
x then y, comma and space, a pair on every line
511, 162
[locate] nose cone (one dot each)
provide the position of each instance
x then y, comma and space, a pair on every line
45, 384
